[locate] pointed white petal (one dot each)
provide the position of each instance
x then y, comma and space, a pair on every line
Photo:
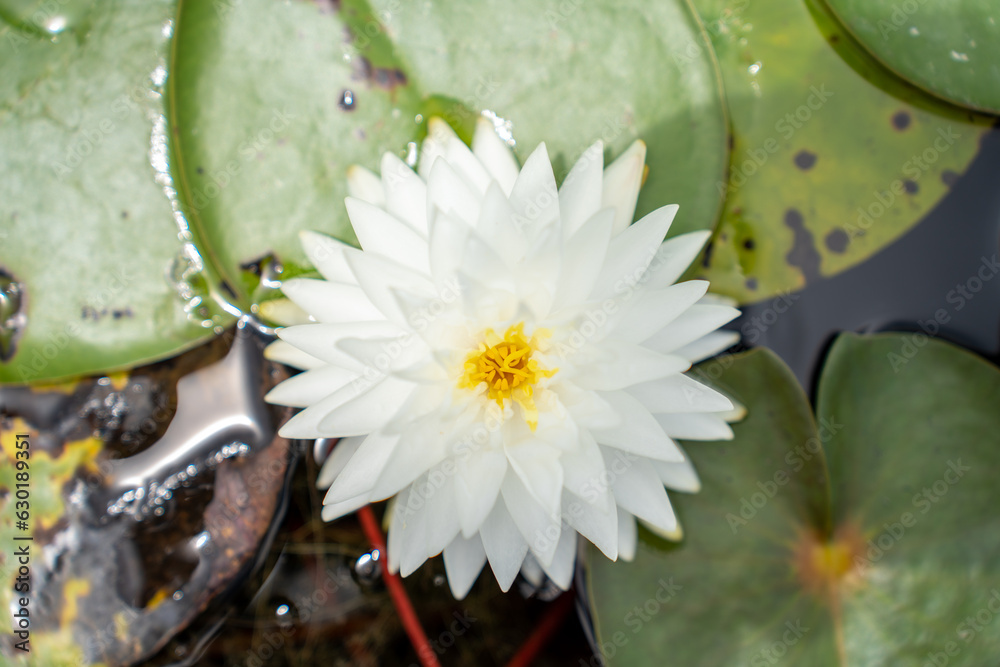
379, 276
563, 564
384, 234
365, 185
597, 522
495, 155
284, 312
679, 394
538, 466
330, 301
359, 474
463, 561
535, 198
580, 192
708, 345
328, 256
478, 477
631, 252
583, 251
639, 433
624, 364
621, 183
699, 426
504, 545
628, 536
309, 387
539, 528
449, 192
334, 511
285, 353
369, 411
674, 257
532, 571
442, 527
695, 322
405, 193
679, 476
334, 464
584, 473
652, 310
497, 224
321, 340
639, 491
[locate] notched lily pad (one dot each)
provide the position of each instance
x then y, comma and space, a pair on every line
867, 535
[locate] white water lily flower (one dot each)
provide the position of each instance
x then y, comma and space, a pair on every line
504, 357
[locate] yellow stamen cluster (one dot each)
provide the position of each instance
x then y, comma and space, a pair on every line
505, 365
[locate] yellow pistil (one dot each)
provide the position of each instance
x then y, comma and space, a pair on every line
505, 365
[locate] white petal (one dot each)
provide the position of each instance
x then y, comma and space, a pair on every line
334, 464
463, 561
328, 255
384, 234
692, 324
504, 545
379, 276
708, 345
387, 355
359, 474
631, 252
405, 193
674, 257
305, 424
628, 536
283, 311
478, 478
331, 301
639, 491
703, 426
498, 225
639, 433
584, 473
334, 511
563, 565
580, 192
442, 527
495, 155
449, 192
321, 340
583, 251
435, 144
412, 457
622, 180
597, 522
537, 465
368, 411
539, 528
587, 408
651, 310
309, 387
680, 476
535, 198
532, 571
285, 353
679, 394
623, 365
365, 185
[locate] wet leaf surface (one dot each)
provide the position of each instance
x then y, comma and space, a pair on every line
885, 558
833, 157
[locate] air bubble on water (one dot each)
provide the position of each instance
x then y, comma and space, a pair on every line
168, 28
959, 57
412, 154
13, 318
159, 75
753, 69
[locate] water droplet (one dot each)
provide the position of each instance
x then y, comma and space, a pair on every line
346, 100
366, 568
503, 127
159, 75
960, 57
419, 118
12, 316
168, 29
411, 154
178, 596
753, 69
55, 24
914, 31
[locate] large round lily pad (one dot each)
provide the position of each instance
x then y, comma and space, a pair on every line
951, 49
272, 101
833, 156
889, 558
93, 274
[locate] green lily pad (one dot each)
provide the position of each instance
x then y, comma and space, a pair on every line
833, 156
272, 102
950, 49
93, 274
889, 559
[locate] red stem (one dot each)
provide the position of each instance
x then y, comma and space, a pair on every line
554, 618
407, 615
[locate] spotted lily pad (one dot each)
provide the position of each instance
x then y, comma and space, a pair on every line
833, 156
867, 535
274, 101
951, 49
93, 273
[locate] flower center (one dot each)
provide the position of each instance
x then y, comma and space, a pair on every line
505, 365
